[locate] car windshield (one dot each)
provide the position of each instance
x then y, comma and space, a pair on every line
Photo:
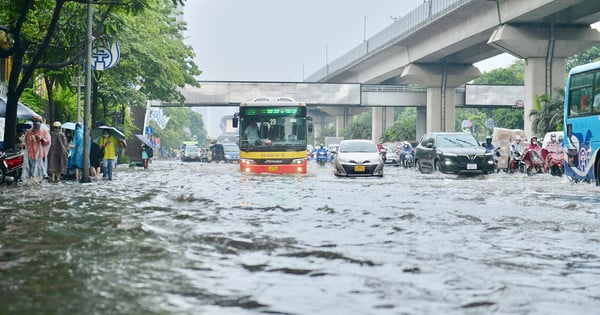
456, 140
192, 149
230, 147
357, 146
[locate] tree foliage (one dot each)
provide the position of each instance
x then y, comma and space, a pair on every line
47, 38
548, 113
360, 127
184, 125
405, 125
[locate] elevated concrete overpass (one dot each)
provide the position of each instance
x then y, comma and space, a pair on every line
344, 100
436, 45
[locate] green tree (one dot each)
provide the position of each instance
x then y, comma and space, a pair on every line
184, 125
405, 125
548, 113
360, 127
44, 36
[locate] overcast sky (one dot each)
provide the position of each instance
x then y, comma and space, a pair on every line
283, 40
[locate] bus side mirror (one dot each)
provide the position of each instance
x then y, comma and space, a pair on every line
310, 123
234, 121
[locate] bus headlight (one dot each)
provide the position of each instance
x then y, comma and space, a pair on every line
247, 161
298, 161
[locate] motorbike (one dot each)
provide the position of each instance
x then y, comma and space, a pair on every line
517, 163
496, 155
534, 161
321, 157
407, 159
11, 166
555, 163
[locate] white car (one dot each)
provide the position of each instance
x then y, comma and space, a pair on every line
358, 158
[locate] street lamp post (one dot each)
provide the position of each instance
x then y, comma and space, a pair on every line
85, 172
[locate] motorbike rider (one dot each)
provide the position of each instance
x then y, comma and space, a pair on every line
488, 144
491, 148
553, 147
321, 154
515, 153
382, 150
535, 152
406, 148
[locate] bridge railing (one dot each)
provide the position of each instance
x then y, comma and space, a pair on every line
426, 13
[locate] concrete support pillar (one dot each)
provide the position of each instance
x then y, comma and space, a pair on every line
440, 81
381, 120
536, 84
544, 48
421, 122
440, 113
340, 124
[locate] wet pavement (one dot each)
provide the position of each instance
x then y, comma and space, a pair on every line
196, 238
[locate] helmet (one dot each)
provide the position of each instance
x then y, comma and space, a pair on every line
56, 124
518, 138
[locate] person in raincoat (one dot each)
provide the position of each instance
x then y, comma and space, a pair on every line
37, 143
58, 153
76, 159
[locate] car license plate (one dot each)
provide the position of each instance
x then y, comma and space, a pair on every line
359, 168
471, 166
273, 168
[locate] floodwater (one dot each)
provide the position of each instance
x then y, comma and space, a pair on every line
196, 238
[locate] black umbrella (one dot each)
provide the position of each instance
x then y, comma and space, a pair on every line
23, 112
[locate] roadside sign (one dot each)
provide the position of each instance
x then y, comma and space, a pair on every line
519, 104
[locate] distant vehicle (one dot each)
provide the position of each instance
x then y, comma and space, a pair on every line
191, 153
453, 153
358, 158
227, 152
391, 155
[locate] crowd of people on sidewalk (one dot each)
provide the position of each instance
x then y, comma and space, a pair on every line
50, 154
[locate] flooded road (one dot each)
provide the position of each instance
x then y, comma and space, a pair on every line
195, 238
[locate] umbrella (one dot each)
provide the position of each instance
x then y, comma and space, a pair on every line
23, 112
98, 132
68, 125
145, 140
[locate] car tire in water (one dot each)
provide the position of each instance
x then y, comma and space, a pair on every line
436, 166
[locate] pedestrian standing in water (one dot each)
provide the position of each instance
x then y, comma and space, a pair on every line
37, 143
108, 143
95, 159
58, 153
146, 155
76, 160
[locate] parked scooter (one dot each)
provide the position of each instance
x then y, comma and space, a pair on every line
11, 166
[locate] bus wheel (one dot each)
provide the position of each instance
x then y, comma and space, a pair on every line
597, 167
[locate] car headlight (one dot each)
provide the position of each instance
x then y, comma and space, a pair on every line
343, 159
